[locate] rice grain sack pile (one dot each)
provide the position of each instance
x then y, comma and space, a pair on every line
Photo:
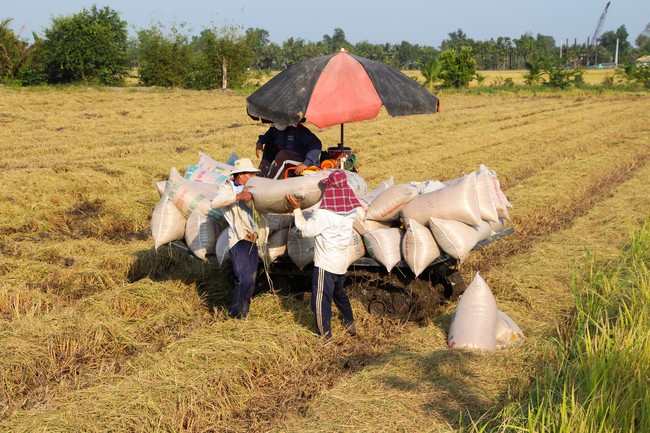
300, 249
269, 194
195, 173
384, 245
500, 201
222, 248
274, 247
189, 196
201, 233
208, 163
356, 248
419, 248
473, 324
507, 332
370, 196
167, 222
453, 237
457, 202
387, 205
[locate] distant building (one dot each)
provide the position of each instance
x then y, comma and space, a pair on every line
643, 61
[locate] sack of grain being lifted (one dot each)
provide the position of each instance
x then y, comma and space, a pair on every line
384, 245
419, 248
458, 202
269, 194
387, 205
454, 237
473, 324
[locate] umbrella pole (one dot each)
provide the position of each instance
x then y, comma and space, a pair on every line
341, 143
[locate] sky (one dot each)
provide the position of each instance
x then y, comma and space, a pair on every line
422, 22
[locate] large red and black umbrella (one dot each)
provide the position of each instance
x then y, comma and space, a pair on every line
337, 89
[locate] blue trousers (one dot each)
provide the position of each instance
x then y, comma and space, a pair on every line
327, 287
244, 259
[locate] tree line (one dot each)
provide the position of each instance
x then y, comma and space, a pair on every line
93, 46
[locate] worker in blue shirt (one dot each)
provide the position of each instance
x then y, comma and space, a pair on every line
287, 143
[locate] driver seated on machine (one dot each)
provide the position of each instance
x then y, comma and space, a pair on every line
296, 145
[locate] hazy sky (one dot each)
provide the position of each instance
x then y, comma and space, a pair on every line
424, 22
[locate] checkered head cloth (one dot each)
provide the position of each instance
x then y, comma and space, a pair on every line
338, 196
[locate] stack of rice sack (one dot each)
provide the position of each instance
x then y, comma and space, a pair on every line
184, 211
477, 323
416, 222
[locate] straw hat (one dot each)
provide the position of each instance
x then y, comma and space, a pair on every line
244, 165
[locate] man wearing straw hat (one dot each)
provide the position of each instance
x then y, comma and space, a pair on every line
331, 226
246, 233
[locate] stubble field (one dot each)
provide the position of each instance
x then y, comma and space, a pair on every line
99, 332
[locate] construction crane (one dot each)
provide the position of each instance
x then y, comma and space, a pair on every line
596, 37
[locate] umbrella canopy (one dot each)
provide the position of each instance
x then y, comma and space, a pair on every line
337, 89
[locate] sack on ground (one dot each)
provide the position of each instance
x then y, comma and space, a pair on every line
167, 222
160, 187
486, 199
473, 324
387, 205
419, 248
371, 195
507, 332
384, 245
455, 202
454, 237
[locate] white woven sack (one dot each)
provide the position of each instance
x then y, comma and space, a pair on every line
429, 186
387, 205
372, 194
458, 201
500, 201
208, 163
483, 231
160, 187
275, 246
299, 248
278, 221
507, 332
167, 223
222, 248
269, 194
201, 233
486, 202
419, 248
188, 195
454, 237
356, 248
473, 324
200, 174
498, 226
384, 245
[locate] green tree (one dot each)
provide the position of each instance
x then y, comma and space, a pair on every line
19, 61
163, 59
335, 42
90, 46
643, 41
457, 69
431, 73
456, 41
219, 51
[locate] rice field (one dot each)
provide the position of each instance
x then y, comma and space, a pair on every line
100, 332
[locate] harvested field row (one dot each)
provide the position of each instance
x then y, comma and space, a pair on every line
94, 317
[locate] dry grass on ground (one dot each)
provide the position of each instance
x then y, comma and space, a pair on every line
100, 332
